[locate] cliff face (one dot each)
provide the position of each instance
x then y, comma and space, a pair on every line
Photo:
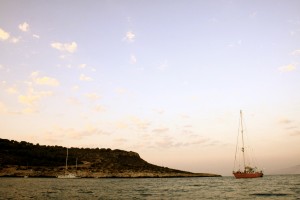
26, 159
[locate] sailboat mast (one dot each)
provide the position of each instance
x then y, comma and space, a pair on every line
67, 160
242, 131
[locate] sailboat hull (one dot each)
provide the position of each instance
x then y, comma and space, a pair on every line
248, 175
68, 176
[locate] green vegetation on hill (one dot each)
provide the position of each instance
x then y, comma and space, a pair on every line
28, 154
23, 158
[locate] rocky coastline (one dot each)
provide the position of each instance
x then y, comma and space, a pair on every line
13, 171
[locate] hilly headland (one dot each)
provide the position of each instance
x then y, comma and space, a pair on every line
19, 159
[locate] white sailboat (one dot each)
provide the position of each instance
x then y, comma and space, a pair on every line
67, 174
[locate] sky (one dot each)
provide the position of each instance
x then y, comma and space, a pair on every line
166, 79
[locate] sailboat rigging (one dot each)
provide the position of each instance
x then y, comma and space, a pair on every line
248, 171
68, 175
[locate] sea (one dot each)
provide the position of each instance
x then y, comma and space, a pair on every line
268, 187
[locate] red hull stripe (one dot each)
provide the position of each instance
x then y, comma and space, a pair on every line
248, 175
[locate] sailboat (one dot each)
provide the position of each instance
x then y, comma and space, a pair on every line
247, 171
68, 175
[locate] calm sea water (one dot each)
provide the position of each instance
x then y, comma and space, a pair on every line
268, 187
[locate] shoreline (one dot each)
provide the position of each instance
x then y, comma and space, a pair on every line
45, 172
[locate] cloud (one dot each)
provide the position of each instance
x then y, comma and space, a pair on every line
285, 121
295, 133
92, 96
29, 99
121, 91
15, 40
287, 68
71, 133
99, 108
82, 66
130, 36
24, 27
32, 98
34, 74
3, 35
75, 88
80, 134
296, 52
47, 81
85, 78
121, 125
184, 116
120, 141
69, 47
165, 142
12, 90
73, 101
163, 66
133, 59
36, 36
160, 130
139, 124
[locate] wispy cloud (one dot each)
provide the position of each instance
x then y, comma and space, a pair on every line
92, 96
130, 36
287, 68
163, 66
12, 90
296, 52
71, 133
83, 77
291, 126
69, 47
139, 124
32, 97
160, 130
73, 101
4, 35
295, 133
285, 121
24, 27
36, 36
82, 66
15, 40
99, 108
133, 59
45, 80
75, 88
121, 91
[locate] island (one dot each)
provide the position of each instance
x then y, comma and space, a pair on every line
24, 159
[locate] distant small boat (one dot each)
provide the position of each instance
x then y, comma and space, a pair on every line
247, 171
68, 175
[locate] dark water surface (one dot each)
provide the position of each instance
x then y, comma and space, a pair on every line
268, 187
